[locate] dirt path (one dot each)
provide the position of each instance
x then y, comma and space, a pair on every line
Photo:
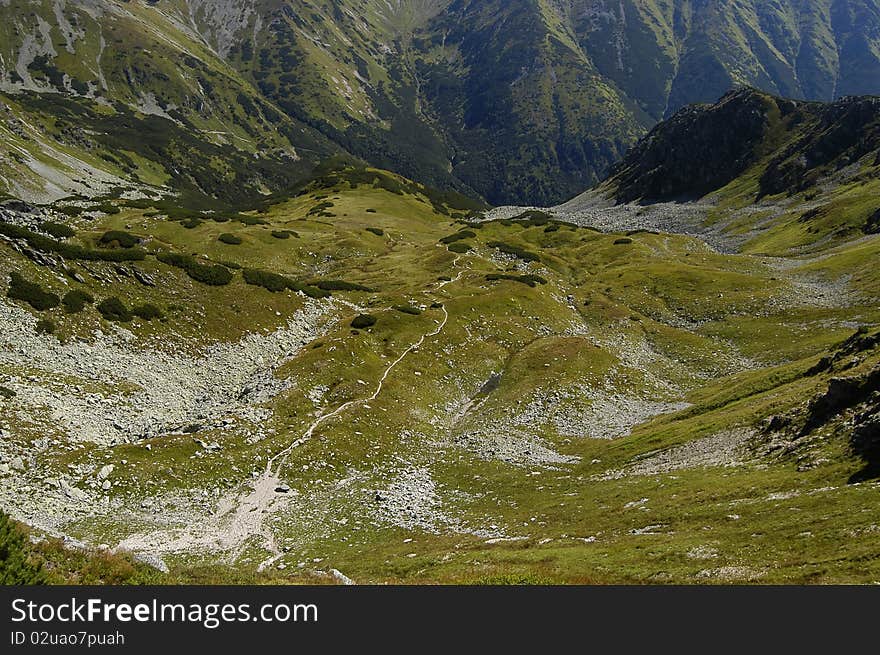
243, 517
263, 500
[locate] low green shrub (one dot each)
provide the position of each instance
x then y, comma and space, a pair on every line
459, 248
408, 309
191, 223
230, 239
531, 280
458, 236
210, 274
18, 565
46, 326
31, 293
68, 250
7, 393
269, 281
147, 312
320, 209
70, 210
58, 230
251, 220
113, 309
533, 218
284, 234
106, 208
379, 232
75, 301
340, 285
363, 321
371, 211
623, 241
277, 283
119, 239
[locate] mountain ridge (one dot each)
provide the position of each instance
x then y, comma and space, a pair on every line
525, 102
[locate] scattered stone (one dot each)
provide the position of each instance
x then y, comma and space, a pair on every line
341, 578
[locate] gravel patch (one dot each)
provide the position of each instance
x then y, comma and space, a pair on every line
722, 449
146, 391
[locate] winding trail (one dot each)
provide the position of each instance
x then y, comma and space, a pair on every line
249, 513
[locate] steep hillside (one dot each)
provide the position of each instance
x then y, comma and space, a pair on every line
526, 101
776, 176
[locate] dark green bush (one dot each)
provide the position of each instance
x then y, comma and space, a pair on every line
118, 238
75, 301
31, 293
531, 280
58, 230
458, 236
533, 218
459, 248
371, 211
191, 223
252, 220
229, 239
516, 251
70, 210
623, 241
363, 321
106, 208
320, 209
147, 311
377, 231
210, 274
340, 285
46, 326
408, 309
18, 566
113, 309
7, 394
277, 283
68, 250
269, 281
552, 228
284, 234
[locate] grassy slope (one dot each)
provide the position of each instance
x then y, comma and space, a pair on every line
695, 314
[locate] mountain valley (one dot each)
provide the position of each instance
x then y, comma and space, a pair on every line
441, 291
